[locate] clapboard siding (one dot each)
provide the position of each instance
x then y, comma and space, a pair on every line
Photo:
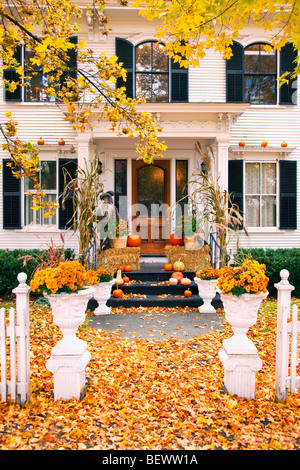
207, 83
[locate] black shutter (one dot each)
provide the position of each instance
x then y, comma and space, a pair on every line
235, 75
179, 83
12, 76
236, 183
288, 194
11, 198
124, 52
66, 172
71, 66
288, 91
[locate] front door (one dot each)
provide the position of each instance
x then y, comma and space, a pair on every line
151, 200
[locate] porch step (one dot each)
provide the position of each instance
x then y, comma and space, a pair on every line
151, 289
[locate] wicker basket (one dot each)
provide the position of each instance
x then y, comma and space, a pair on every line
120, 242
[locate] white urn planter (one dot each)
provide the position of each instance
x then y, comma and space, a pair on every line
207, 292
241, 314
102, 294
239, 355
69, 357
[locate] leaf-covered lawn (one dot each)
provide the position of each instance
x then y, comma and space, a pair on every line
147, 394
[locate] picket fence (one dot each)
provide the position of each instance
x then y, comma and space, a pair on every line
288, 328
15, 347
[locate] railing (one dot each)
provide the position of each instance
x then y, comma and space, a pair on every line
89, 257
288, 328
14, 346
217, 253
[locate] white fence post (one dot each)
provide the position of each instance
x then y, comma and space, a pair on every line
23, 345
284, 289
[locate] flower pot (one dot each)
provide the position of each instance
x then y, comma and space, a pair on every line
68, 312
102, 294
189, 241
120, 242
207, 292
241, 314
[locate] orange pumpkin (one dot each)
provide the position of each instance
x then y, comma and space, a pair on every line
284, 144
133, 240
41, 141
198, 274
178, 275
128, 268
242, 144
126, 279
187, 293
175, 239
168, 267
61, 142
121, 268
264, 143
118, 293
185, 281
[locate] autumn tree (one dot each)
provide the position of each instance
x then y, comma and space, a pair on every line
191, 27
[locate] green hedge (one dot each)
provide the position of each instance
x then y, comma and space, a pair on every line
12, 263
275, 261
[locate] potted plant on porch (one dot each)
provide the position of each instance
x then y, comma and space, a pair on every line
206, 280
117, 231
187, 227
102, 281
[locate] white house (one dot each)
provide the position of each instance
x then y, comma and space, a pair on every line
218, 104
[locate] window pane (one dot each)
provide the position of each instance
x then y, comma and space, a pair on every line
251, 61
252, 211
268, 62
268, 178
38, 216
143, 57
252, 178
48, 175
260, 89
120, 182
268, 211
143, 86
159, 88
151, 186
160, 59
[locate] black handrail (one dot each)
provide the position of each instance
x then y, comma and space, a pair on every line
216, 252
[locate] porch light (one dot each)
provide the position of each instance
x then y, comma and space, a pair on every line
99, 167
203, 168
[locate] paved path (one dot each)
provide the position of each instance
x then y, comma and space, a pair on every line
156, 324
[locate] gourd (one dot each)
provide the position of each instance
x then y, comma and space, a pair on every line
177, 275
175, 240
173, 281
185, 281
119, 280
133, 240
126, 279
187, 293
61, 142
128, 268
118, 293
168, 267
178, 266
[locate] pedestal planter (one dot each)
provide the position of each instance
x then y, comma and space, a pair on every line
189, 241
239, 355
102, 294
207, 292
241, 314
69, 356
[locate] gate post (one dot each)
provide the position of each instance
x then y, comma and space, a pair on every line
284, 289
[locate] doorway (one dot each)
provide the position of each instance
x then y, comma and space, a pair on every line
151, 200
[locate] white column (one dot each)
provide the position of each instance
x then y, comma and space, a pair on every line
222, 162
83, 149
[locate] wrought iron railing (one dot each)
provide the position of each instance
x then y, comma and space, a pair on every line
217, 253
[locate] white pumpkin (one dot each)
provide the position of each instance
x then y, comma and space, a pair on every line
173, 281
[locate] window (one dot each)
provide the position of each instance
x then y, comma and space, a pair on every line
252, 72
47, 180
265, 192
36, 81
150, 73
260, 75
260, 194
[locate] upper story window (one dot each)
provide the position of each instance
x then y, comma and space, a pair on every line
252, 72
151, 74
260, 75
34, 87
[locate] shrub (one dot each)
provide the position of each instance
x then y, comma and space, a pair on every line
12, 263
276, 260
